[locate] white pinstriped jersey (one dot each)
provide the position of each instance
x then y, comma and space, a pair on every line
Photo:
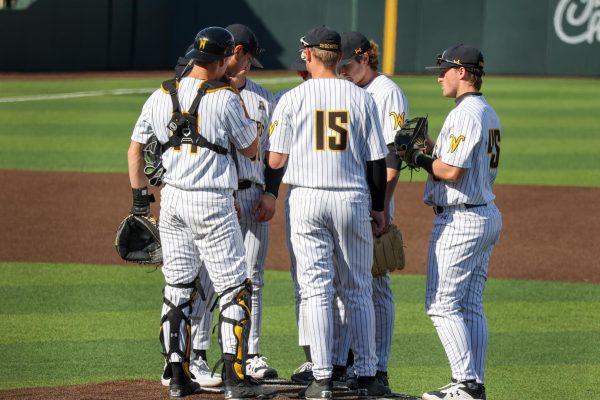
259, 104
330, 138
221, 120
277, 96
470, 139
392, 105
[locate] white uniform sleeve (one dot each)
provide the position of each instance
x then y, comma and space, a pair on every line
462, 133
142, 129
280, 130
376, 147
395, 113
241, 130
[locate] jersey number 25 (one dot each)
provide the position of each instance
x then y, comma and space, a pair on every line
494, 147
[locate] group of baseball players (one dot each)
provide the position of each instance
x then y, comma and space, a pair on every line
229, 143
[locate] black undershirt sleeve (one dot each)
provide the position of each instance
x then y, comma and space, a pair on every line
377, 180
392, 160
273, 179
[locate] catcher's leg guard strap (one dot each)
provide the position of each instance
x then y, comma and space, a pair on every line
176, 338
235, 313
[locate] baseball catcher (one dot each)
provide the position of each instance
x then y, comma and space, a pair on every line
388, 252
411, 140
138, 240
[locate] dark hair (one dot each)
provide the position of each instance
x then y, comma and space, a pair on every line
475, 77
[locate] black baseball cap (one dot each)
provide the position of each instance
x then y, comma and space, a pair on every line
459, 56
211, 44
353, 44
322, 37
243, 35
299, 63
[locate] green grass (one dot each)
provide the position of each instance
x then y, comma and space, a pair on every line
69, 324
551, 127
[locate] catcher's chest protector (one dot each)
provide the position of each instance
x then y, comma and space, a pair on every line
184, 125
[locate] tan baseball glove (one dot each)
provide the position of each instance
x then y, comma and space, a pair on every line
388, 252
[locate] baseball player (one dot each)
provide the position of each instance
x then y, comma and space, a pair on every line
198, 223
302, 374
256, 194
327, 132
467, 224
359, 65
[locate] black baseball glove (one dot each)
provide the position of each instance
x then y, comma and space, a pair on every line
411, 140
138, 240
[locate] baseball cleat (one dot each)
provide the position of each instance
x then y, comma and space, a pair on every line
202, 375
165, 378
248, 389
303, 374
182, 387
319, 390
369, 388
257, 368
458, 391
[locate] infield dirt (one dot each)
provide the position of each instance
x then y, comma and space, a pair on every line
549, 233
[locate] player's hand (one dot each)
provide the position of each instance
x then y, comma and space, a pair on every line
238, 210
377, 222
239, 80
264, 209
386, 218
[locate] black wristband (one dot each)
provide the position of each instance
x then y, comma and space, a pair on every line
273, 179
141, 201
426, 162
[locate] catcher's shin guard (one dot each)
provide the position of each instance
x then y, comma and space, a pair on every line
176, 339
235, 364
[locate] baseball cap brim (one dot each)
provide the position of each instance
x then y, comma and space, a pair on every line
256, 63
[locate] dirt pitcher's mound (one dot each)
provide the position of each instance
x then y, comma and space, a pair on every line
549, 233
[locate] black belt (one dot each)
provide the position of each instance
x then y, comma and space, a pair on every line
245, 184
439, 209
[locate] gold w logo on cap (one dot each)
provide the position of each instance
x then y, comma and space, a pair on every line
398, 119
202, 43
454, 142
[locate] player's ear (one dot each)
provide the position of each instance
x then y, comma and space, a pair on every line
307, 54
238, 50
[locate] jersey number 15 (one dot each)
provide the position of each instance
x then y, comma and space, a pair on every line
337, 122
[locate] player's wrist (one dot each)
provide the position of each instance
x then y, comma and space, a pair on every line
425, 161
270, 194
141, 201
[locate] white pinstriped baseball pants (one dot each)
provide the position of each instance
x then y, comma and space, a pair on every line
201, 228
328, 225
459, 253
256, 239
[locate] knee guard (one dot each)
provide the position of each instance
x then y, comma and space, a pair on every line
179, 325
236, 363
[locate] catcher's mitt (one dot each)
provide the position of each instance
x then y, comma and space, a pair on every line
411, 139
388, 252
154, 169
138, 240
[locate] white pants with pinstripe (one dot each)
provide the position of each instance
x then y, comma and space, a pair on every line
256, 239
328, 225
201, 228
457, 266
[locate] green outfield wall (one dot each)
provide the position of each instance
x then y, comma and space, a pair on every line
541, 37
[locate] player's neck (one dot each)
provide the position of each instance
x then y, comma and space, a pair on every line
369, 76
464, 89
199, 72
